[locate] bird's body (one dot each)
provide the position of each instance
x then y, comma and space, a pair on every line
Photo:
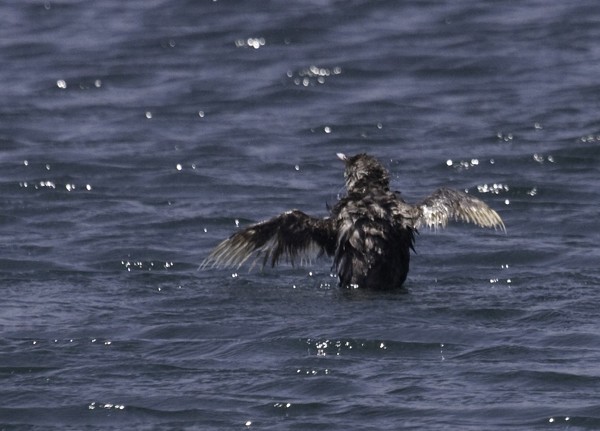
373, 239
369, 232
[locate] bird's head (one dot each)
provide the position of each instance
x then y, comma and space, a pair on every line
363, 173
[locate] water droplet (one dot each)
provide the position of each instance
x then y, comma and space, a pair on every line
148, 114
61, 83
449, 162
327, 129
179, 167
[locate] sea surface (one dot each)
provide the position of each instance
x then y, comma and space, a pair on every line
135, 135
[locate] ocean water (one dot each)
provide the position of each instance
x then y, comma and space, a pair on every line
134, 136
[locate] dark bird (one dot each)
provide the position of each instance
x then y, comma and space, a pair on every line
369, 232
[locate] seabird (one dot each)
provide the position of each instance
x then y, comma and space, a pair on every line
369, 232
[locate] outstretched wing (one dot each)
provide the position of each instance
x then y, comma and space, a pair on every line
445, 205
292, 235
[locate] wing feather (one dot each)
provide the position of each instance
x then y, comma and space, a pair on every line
292, 236
445, 205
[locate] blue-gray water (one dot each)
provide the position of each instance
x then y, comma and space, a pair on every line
134, 134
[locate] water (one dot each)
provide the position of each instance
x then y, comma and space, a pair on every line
136, 135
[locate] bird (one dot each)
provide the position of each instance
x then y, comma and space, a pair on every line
369, 232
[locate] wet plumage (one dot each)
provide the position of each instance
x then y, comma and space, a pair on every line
369, 232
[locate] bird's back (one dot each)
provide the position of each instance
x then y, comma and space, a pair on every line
373, 245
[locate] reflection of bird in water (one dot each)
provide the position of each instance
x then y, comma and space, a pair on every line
369, 232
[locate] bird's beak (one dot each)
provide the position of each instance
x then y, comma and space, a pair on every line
342, 157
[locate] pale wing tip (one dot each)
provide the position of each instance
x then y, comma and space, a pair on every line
493, 220
230, 253
486, 218
500, 224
